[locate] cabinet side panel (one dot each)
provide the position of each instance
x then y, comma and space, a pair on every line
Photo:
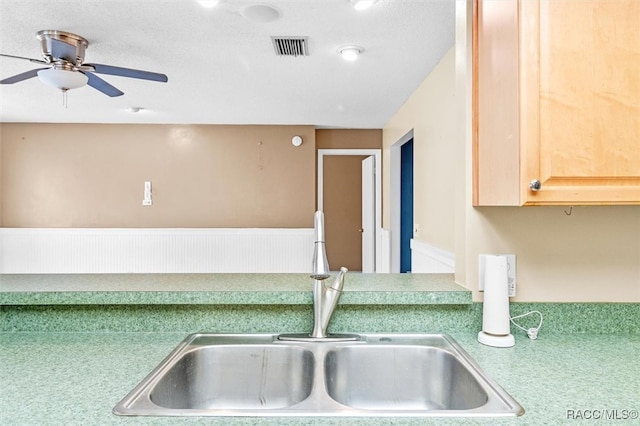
496, 152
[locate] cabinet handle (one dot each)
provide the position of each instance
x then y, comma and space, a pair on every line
535, 185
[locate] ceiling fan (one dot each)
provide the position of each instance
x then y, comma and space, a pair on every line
63, 54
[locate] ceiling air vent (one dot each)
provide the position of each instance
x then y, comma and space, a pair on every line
291, 46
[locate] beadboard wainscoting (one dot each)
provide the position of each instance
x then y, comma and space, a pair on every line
151, 250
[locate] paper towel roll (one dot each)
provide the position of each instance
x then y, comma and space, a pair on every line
495, 308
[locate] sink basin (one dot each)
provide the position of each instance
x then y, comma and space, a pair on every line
236, 377
262, 375
398, 377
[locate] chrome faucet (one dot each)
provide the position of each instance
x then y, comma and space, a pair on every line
325, 298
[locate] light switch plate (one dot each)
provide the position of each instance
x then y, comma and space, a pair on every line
511, 272
147, 201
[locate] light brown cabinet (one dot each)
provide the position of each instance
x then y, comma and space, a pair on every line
556, 102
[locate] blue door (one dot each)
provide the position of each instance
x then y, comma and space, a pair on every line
406, 205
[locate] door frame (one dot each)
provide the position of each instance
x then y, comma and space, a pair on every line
368, 198
377, 155
394, 196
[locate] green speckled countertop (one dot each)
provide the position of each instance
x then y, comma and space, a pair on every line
77, 378
248, 289
71, 346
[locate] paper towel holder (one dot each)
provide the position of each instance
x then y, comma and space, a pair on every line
495, 307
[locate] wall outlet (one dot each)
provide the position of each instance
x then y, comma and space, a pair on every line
511, 272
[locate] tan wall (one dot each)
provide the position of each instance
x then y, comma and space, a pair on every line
349, 138
591, 256
342, 190
430, 112
76, 175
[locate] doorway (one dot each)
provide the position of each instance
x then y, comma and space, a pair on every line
352, 206
406, 205
401, 214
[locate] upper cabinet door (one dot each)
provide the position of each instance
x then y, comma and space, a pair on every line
557, 107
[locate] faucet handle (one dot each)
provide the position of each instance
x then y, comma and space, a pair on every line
339, 281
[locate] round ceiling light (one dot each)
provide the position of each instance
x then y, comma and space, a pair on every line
209, 4
261, 13
362, 4
350, 53
62, 79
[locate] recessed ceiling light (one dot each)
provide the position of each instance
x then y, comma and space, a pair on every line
362, 4
134, 109
350, 53
208, 3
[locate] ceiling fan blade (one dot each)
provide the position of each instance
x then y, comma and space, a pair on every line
128, 72
101, 85
23, 76
62, 50
37, 61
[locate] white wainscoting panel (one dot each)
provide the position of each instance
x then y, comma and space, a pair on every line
426, 258
150, 250
383, 252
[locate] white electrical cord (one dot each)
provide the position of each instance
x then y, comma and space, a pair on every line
531, 332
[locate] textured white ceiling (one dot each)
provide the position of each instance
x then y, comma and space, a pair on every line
222, 67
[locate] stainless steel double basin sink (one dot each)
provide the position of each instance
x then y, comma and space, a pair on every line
373, 375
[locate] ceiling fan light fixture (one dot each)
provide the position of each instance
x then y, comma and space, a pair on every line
362, 4
350, 53
62, 79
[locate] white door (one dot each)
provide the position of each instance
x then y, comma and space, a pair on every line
368, 214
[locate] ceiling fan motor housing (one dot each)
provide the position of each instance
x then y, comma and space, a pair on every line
80, 44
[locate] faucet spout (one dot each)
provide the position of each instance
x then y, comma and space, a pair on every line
320, 265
